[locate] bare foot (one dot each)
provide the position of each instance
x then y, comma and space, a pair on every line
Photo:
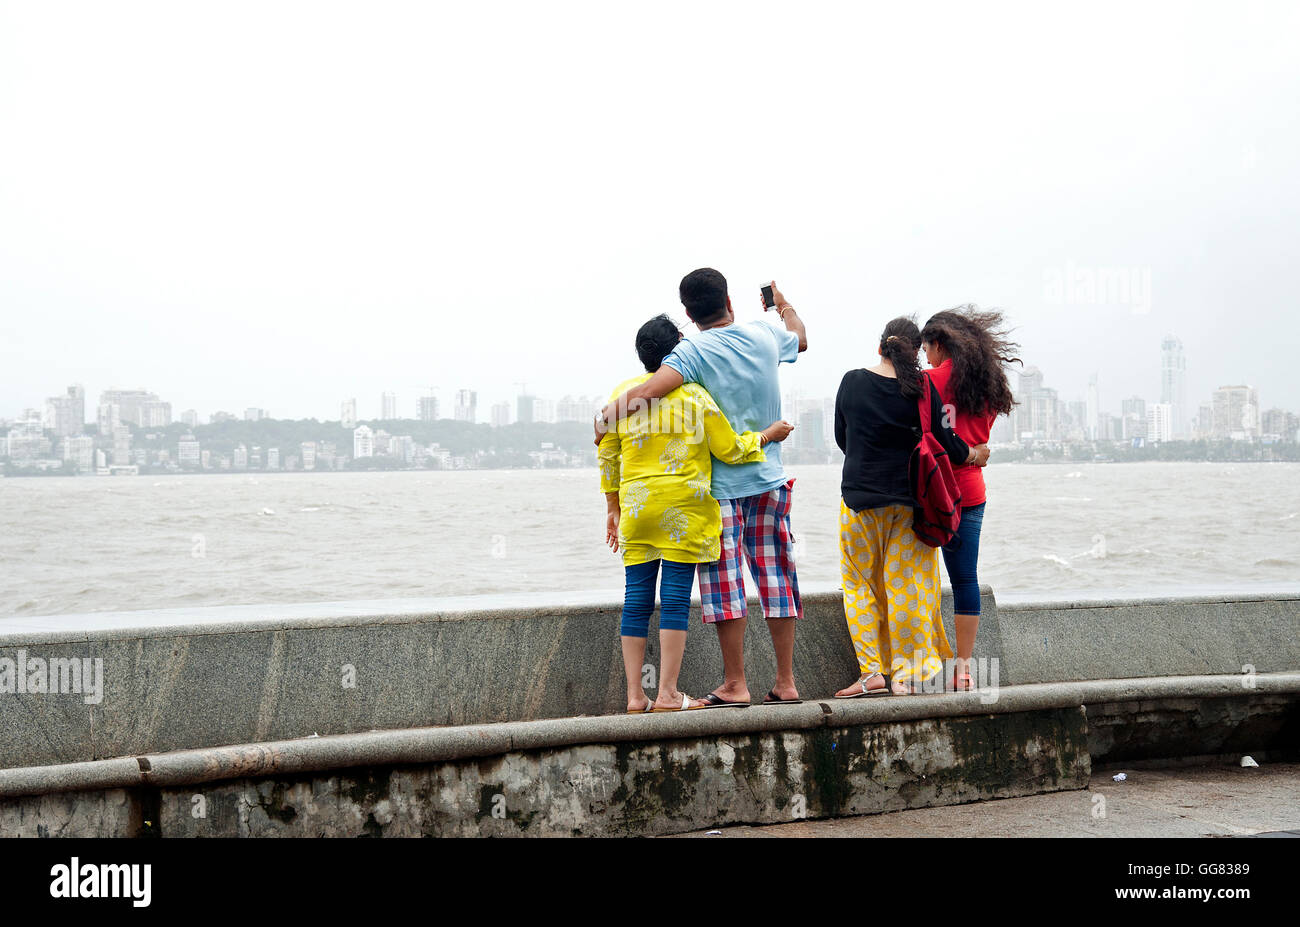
785, 692
739, 692
638, 705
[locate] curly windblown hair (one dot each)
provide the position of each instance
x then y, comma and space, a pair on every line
977, 342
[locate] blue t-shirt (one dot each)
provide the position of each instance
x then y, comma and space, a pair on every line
737, 364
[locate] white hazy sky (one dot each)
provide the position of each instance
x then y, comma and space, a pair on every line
284, 204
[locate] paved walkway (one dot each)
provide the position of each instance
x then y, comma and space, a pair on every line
1202, 801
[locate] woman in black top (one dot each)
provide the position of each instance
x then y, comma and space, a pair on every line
890, 578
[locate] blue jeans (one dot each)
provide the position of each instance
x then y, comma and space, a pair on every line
961, 562
674, 597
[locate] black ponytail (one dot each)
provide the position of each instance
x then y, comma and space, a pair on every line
655, 340
899, 344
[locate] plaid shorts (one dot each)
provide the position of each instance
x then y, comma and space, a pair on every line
762, 522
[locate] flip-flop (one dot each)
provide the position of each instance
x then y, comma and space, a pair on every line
870, 693
713, 700
773, 699
686, 706
650, 706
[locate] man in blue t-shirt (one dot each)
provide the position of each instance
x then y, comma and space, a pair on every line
737, 363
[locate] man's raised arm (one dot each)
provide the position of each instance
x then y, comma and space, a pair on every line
664, 381
790, 318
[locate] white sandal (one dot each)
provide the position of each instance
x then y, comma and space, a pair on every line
869, 693
686, 705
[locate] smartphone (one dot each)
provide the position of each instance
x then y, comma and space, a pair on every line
768, 300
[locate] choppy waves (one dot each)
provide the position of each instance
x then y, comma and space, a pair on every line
95, 544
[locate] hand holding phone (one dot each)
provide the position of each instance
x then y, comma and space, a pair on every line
769, 295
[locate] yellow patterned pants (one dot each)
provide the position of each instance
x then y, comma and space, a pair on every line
891, 595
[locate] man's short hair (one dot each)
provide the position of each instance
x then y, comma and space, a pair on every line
704, 294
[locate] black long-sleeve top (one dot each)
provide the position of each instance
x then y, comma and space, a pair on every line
877, 429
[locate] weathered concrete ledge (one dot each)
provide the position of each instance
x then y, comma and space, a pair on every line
443, 744
545, 781
657, 773
181, 679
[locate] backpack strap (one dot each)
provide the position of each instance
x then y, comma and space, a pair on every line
923, 405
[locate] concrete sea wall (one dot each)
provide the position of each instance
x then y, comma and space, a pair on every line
465, 717
176, 679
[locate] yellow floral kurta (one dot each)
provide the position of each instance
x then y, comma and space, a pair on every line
659, 462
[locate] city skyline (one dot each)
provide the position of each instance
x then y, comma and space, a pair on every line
43, 440
144, 407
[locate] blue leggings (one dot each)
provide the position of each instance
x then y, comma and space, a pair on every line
961, 562
674, 597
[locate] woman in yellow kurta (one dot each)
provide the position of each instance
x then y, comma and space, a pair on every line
655, 471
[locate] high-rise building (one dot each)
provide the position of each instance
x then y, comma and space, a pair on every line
583, 409
240, 458
466, 405
524, 414
348, 413
1094, 410
27, 439
1031, 378
363, 442
501, 414
190, 418
1134, 404
1038, 417
1045, 414
1133, 412
155, 414
1074, 420
188, 453
1160, 424
308, 450
66, 415
254, 415
1236, 413
428, 408
80, 451
811, 427
1205, 420
109, 416
138, 407
122, 445
1279, 423
388, 407
273, 458
1173, 383
544, 411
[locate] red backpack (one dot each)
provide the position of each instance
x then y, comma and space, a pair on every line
937, 511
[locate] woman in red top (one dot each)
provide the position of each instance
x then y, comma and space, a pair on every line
968, 350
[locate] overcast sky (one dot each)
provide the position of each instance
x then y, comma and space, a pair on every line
285, 204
